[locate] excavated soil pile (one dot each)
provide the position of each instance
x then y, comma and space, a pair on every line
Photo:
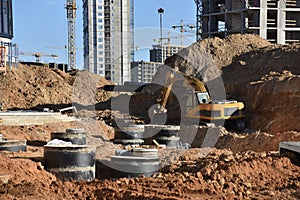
30, 86
202, 59
220, 138
264, 76
219, 175
267, 81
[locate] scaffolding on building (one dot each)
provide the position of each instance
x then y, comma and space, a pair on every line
2, 60
9, 56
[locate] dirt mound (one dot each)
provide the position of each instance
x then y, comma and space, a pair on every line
255, 65
263, 76
29, 86
86, 88
267, 81
223, 174
218, 137
219, 175
204, 58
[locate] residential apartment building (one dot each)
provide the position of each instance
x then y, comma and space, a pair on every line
6, 20
160, 53
108, 38
8, 50
275, 20
142, 71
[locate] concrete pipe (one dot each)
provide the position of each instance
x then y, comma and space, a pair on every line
71, 162
75, 136
12, 145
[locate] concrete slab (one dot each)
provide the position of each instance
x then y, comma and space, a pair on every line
291, 146
290, 150
23, 118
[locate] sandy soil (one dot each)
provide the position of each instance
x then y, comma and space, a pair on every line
219, 175
238, 166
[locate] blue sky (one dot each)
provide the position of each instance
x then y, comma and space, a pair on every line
41, 26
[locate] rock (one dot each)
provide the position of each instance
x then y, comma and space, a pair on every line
186, 174
131, 181
222, 181
263, 154
199, 175
40, 166
206, 171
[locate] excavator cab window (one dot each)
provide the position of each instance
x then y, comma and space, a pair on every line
202, 97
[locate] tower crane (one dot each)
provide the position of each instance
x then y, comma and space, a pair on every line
71, 16
37, 55
170, 37
182, 29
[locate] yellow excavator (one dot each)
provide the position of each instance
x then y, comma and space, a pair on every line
199, 106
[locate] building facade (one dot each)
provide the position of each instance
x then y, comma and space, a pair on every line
8, 50
6, 20
160, 53
142, 71
275, 20
108, 43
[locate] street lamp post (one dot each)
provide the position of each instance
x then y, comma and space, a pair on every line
161, 12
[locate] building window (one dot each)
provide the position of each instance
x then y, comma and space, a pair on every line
100, 13
100, 39
100, 46
100, 27
100, 20
99, 7
100, 59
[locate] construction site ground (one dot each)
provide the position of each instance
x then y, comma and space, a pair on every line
246, 165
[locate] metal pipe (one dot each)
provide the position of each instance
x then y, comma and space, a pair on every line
161, 11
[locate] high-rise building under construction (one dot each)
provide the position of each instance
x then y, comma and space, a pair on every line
108, 38
275, 20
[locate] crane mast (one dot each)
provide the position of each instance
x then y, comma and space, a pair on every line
71, 16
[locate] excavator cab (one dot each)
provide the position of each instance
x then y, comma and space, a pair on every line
203, 97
